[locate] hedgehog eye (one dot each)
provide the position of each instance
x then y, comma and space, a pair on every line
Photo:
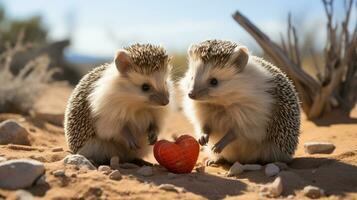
145, 87
213, 82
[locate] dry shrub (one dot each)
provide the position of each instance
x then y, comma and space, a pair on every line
18, 92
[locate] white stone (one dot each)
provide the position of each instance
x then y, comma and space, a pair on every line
236, 169
79, 161
23, 195
271, 169
115, 175
252, 167
104, 168
13, 133
168, 187
114, 162
273, 189
313, 192
145, 171
319, 147
20, 173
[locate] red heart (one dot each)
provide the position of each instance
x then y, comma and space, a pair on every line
179, 156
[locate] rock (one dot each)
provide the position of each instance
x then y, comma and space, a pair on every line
128, 166
271, 169
252, 167
79, 161
23, 195
290, 196
2, 159
114, 162
41, 180
168, 187
59, 173
273, 189
104, 168
13, 133
313, 192
57, 149
20, 173
236, 169
319, 147
145, 171
171, 175
115, 175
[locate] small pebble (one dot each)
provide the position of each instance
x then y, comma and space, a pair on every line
168, 187
115, 175
236, 169
74, 175
290, 196
319, 147
104, 168
145, 171
23, 195
252, 167
128, 166
313, 192
41, 180
273, 189
114, 162
79, 161
271, 170
171, 175
57, 149
59, 173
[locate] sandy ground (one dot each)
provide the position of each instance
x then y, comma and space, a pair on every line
336, 173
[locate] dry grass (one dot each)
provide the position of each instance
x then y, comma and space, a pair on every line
18, 92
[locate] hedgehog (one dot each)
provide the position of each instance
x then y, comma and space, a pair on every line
242, 107
118, 109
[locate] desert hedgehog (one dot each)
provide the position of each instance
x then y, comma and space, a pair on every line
118, 109
243, 107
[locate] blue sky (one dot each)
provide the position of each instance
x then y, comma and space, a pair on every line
100, 27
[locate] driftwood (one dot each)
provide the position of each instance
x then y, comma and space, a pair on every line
335, 86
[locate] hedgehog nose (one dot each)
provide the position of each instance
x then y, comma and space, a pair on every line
192, 95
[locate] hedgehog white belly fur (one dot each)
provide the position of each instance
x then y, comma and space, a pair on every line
101, 105
265, 115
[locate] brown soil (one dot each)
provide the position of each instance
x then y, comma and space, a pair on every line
336, 173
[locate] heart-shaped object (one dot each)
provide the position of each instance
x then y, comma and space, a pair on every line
179, 156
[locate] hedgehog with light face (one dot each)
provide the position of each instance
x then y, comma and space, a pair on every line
118, 109
243, 108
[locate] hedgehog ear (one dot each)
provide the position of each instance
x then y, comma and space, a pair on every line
191, 51
239, 58
123, 61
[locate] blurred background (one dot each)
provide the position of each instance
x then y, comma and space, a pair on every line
78, 35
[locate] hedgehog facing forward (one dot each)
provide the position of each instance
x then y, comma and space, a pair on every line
118, 109
243, 107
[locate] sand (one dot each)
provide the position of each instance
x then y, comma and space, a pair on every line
336, 173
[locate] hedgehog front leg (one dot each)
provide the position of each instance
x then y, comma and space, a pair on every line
206, 130
221, 144
152, 133
129, 138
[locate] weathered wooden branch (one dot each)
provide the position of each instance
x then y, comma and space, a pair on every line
337, 85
